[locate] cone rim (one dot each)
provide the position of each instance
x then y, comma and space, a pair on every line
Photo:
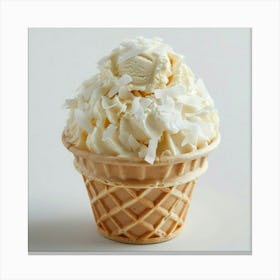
140, 161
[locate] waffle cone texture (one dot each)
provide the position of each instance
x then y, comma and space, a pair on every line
136, 202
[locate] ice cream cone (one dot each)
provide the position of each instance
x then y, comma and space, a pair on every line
136, 202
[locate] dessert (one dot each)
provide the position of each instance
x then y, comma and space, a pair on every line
140, 131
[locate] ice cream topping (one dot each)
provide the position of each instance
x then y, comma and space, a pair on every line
145, 102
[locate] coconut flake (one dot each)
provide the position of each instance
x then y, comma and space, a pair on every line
205, 110
137, 109
82, 120
146, 102
193, 101
123, 80
167, 106
169, 91
131, 52
87, 93
206, 129
95, 96
105, 104
124, 93
123, 108
108, 132
190, 125
134, 144
113, 91
151, 152
143, 151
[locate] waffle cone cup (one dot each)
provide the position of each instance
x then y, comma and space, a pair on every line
136, 202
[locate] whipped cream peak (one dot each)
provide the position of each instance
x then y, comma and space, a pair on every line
145, 102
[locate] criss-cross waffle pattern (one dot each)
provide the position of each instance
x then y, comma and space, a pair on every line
139, 215
136, 202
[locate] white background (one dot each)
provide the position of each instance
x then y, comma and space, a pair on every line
60, 218
263, 16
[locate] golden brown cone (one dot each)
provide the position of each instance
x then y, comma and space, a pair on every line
136, 202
